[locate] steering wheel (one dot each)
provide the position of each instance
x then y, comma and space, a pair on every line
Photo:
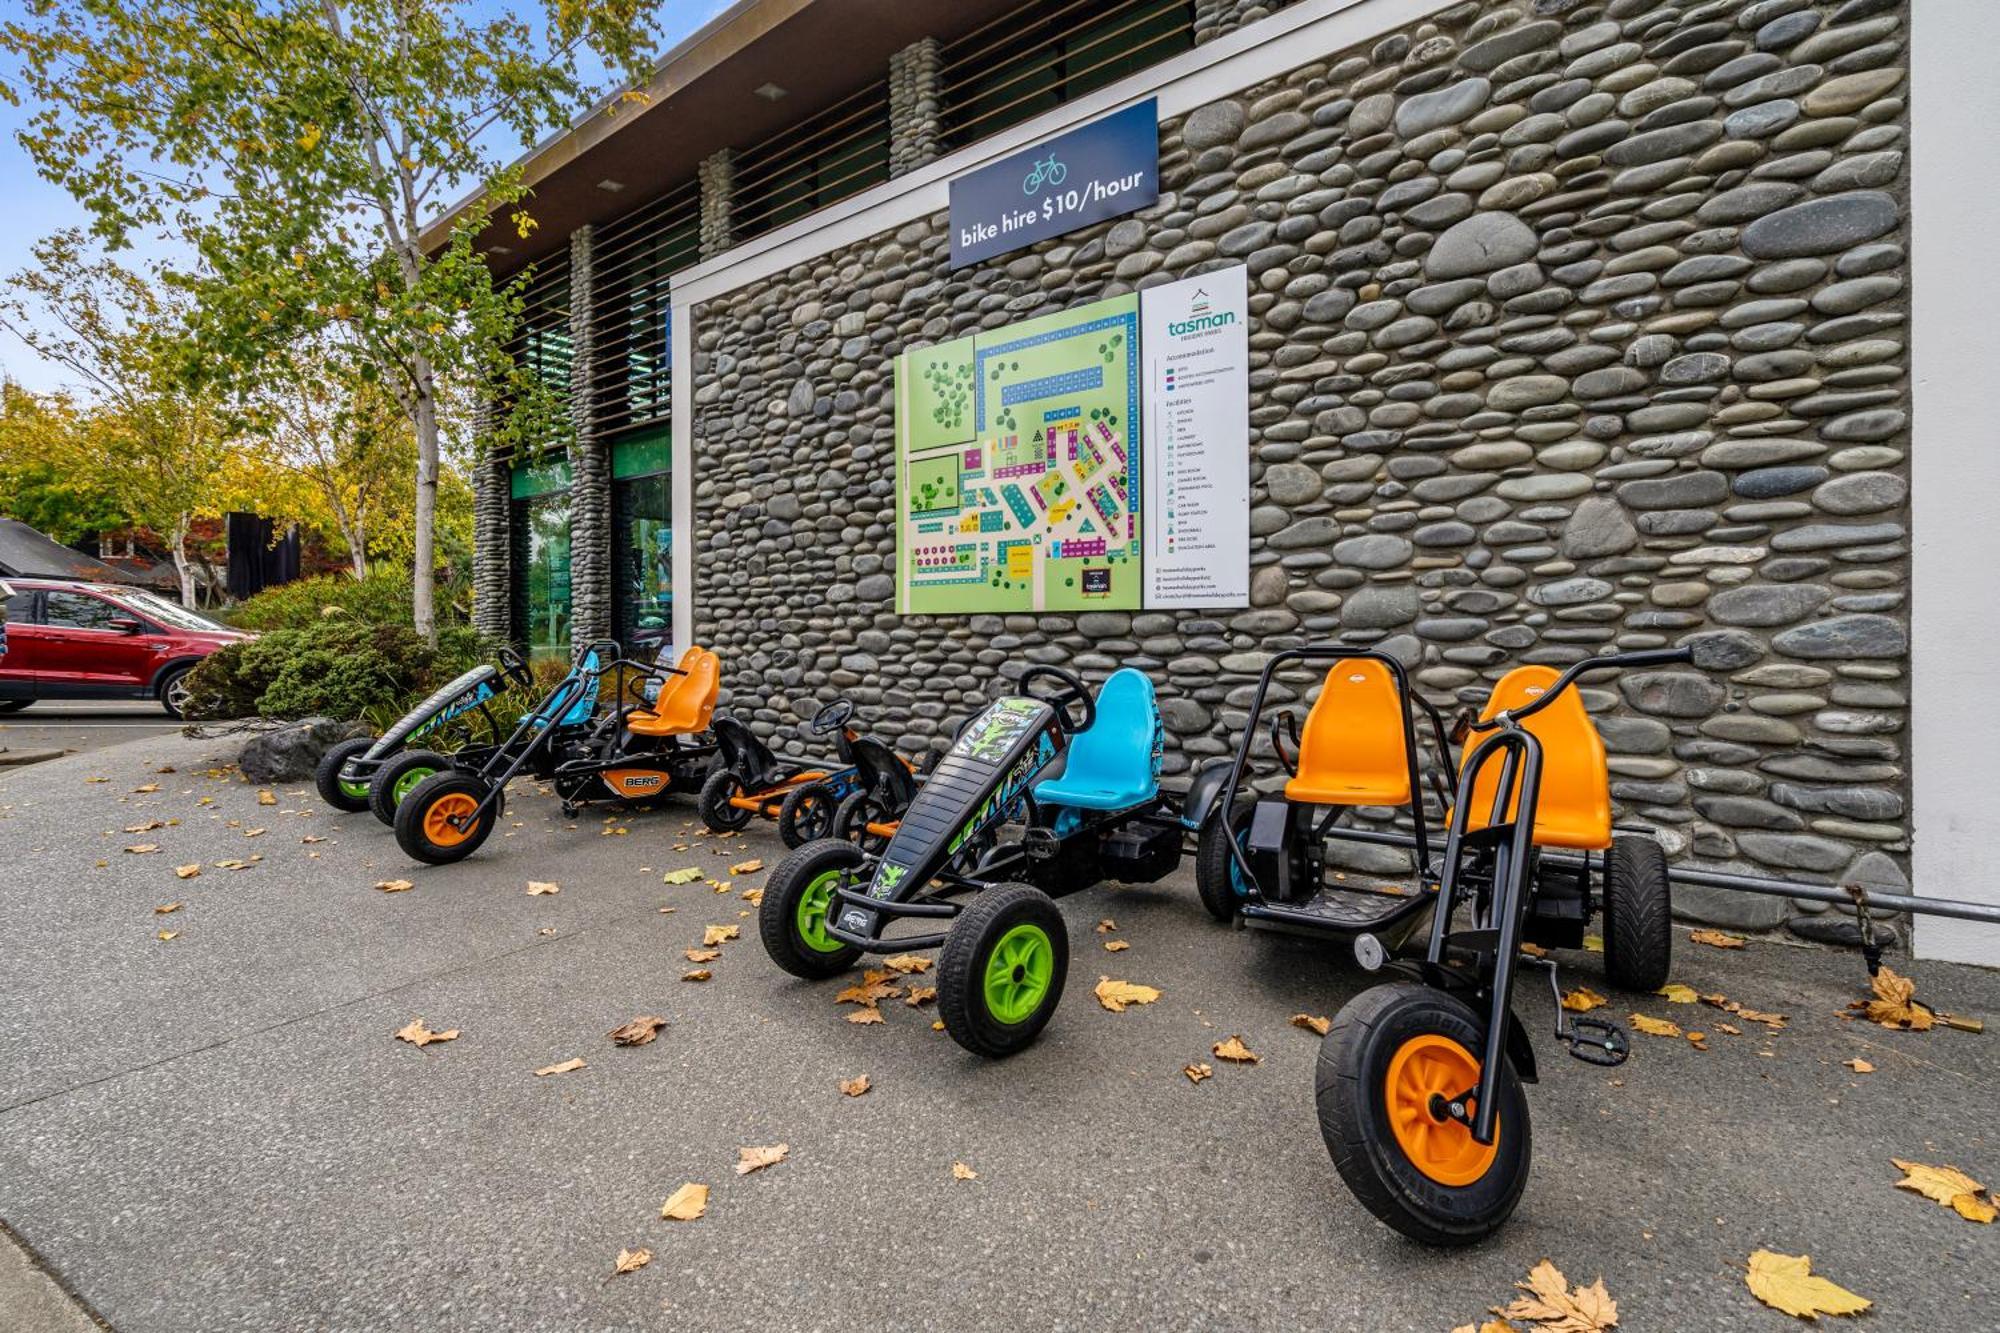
1070, 693
514, 666
832, 717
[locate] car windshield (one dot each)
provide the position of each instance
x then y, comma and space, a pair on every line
170, 613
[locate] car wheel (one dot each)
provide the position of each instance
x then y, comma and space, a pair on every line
174, 692
14, 705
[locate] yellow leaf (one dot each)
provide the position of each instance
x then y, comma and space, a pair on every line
855, 1087
1233, 1049
873, 988
1593, 944
698, 974
920, 995
1894, 1005
567, 1066
309, 140
1197, 1072
165, 908
639, 1032
1106, 926
686, 1203
1116, 946
755, 897
311, 838
714, 935
1716, 939
756, 1159
253, 833
1582, 1000
395, 886
703, 955
685, 875
960, 1171
146, 790
187, 871
1656, 1027
1560, 1308
1949, 1186
1676, 993
538, 887
750, 867
1859, 1065
1115, 995
168, 935
143, 848
865, 1016
146, 827
631, 1261
266, 798
907, 963
1786, 1282
1312, 1023
415, 1033
1698, 1040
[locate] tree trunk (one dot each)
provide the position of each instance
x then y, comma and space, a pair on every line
181, 563
423, 575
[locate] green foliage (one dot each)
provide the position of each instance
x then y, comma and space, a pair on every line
383, 598
338, 667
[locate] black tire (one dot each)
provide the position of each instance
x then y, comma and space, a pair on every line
990, 919
327, 776
413, 828
1351, 1087
1638, 914
856, 811
716, 811
806, 814
778, 913
396, 772
1215, 872
14, 705
172, 692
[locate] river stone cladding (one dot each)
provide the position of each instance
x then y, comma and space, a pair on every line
1573, 327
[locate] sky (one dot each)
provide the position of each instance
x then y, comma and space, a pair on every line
31, 208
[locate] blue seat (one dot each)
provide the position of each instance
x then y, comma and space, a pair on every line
1114, 765
584, 705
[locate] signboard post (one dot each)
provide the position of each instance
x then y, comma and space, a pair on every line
1105, 169
1194, 336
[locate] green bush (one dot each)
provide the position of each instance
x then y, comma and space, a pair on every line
383, 598
336, 667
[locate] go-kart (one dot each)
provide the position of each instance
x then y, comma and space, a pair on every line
803, 795
347, 770
884, 785
447, 815
1418, 1081
991, 838
655, 741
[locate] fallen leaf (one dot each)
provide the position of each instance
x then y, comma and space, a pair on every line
1106, 926
639, 1032
146, 827
1312, 1023
146, 790
1489, 1326
1116, 946
702, 955
1582, 1000
907, 963
395, 886
1656, 1027
750, 867
1196, 1073
1949, 1186
143, 848
699, 974
1676, 993
1593, 944
1528, 947
1557, 1307
714, 935
872, 989
865, 1016
165, 908
187, 871
1730, 1028
686, 1203
1727, 1005
232, 865
960, 1171
1786, 1282
415, 1033
920, 995
755, 897
1698, 1040
565, 1067
1115, 995
1233, 1049
538, 887
1894, 1005
631, 1261
168, 935
1716, 939
756, 1159
311, 838
685, 875
855, 1087
253, 833
266, 798
1859, 1065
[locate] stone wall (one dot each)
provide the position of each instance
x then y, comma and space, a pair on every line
1573, 327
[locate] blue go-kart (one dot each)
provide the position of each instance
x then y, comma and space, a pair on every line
1046, 792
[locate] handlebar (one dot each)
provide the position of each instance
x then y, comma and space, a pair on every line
1645, 657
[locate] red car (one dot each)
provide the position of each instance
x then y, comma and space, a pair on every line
97, 641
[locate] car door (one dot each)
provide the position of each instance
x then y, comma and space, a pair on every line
17, 672
85, 646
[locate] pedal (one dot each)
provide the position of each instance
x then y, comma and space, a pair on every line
1596, 1041
1039, 844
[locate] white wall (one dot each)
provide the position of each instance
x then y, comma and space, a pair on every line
1955, 469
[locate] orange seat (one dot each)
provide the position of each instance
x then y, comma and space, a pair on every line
686, 702
1573, 808
1352, 749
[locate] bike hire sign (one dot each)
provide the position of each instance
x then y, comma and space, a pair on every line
1105, 169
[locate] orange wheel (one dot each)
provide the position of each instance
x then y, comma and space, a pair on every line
1424, 1068
437, 818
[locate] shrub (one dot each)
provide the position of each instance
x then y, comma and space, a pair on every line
383, 598
338, 667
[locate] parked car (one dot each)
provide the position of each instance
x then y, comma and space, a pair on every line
69, 640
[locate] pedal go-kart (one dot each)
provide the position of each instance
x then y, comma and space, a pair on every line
347, 770
990, 840
804, 796
884, 785
1419, 1080
647, 747
450, 813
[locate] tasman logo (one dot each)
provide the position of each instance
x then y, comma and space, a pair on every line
1201, 317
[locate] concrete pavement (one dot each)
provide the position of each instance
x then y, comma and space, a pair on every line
218, 1131
77, 727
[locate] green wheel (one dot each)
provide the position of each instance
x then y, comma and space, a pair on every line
335, 791
791, 919
1001, 974
399, 777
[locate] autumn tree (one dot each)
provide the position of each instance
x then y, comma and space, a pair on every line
299, 147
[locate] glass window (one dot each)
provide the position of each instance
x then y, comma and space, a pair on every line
543, 574
20, 608
172, 613
642, 552
75, 610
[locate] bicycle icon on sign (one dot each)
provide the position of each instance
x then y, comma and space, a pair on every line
1050, 172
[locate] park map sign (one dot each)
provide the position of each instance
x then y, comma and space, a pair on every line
1018, 464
